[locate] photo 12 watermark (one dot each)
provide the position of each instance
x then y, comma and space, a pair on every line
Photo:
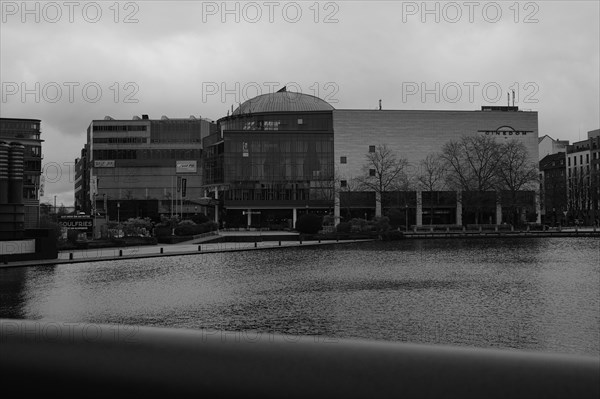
69, 92
54, 12
237, 93
471, 92
270, 12
470, 11
66, 332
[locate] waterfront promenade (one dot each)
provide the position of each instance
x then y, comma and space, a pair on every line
255, 242
192, 247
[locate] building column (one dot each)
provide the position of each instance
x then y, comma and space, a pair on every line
420, 208
459, 207
377, 204
248, 217
217, 205
498, 208
538, 208
336, 208
294, 217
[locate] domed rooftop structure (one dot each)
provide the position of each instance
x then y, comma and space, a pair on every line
282, 101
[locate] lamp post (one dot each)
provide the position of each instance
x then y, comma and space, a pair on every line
406, 217
119, 212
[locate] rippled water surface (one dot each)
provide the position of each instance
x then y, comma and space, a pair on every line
535, 294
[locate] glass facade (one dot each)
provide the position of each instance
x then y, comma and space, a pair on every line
277, 159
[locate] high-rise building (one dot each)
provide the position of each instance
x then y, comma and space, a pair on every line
26, 133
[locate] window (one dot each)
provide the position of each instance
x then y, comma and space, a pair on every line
343, 183
371, 172
371, 148
587, 158
343, 160
569, 161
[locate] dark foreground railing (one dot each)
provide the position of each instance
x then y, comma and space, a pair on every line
83, 360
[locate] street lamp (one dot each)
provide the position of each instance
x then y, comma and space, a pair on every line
119, 212
406, 217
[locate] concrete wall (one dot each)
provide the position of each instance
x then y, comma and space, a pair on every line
415, 134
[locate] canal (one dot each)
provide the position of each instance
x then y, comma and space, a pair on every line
539, 294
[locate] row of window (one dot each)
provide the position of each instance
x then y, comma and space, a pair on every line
120, 140
587, 159
304, 122
194, 153
280, 193
120, 128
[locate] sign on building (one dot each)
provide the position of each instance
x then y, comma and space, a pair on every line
245, 152
185, 167
106, 163
84, 223
505, 131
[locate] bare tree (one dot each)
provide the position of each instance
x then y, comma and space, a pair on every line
432, 177
472, 165
515, 172
383, 171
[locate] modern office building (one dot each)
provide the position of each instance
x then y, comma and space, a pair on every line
582, 175
25, 133
271, 160
142, 167
282, 154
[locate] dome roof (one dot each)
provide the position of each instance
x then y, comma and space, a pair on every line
282, 101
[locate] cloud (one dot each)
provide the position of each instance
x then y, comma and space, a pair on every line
163, 63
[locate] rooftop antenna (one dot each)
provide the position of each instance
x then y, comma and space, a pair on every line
380, 104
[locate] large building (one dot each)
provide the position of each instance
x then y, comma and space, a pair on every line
26, 133
583, 171
272, 160
283, 154
142, 167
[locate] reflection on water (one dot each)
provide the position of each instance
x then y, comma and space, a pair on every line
538, 294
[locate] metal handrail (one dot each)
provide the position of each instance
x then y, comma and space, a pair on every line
42, 357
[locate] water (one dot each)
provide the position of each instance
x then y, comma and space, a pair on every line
540, 294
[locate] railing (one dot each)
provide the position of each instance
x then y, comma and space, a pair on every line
42, 357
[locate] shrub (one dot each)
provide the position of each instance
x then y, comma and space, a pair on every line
72, 235
186, 222
200, 218
162, 231
185, 230
381, 223
309, 224
344, 227
358, 225
135, 227
396, 217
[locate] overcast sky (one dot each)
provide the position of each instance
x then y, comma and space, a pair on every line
69, 63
